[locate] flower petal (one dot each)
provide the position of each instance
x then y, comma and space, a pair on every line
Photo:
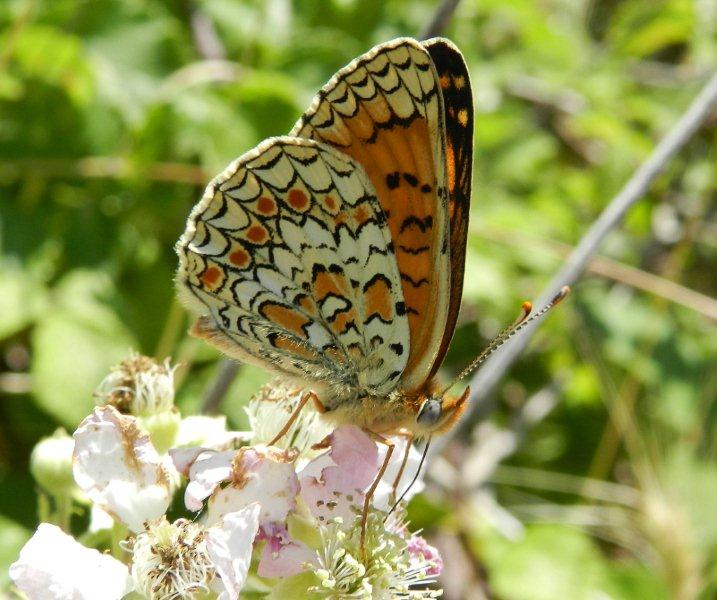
259, 474
283, 556
53, 566
333, 484
230, 544
206, 472
115, 464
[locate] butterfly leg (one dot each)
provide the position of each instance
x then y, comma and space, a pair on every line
409, 440
369, 493
294, 415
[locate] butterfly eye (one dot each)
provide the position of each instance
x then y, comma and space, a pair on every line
430, 412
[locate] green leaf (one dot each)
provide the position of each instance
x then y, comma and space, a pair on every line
549, 562
74, 346
20, 298
55, 57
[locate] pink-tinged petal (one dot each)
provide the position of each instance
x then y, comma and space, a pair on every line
116, 465
288, 559
282, 556
53, 566
183, 458
230, 544
382, 498
333, 483
421, 552
208, 470
259, 474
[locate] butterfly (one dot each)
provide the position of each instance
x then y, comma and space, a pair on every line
334, 256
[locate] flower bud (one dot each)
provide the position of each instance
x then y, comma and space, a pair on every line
51, 464
162, 428
139, 386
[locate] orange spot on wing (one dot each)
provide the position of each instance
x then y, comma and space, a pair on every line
450, 168
307, 304
285, 317
463, 117
326, 283
330, 203
266, 206
445, 81
239, 258
210, 277
342, 320
361, 214
377, 299
257, 234
297, 199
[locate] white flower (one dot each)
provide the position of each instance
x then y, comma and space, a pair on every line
252, 474
230, 545
385, 569
206, 469
53, 566
117, 467
171, 560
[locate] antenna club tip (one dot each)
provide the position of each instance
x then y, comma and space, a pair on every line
527, 307
562, 294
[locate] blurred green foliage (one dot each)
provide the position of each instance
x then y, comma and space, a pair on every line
115, 113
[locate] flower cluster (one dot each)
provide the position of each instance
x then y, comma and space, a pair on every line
280, 521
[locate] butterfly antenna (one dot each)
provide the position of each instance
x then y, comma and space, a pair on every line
415, 477
521, 322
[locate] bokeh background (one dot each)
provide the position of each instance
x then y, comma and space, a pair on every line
593, 474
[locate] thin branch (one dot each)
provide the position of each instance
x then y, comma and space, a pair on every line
486, 378
204, 35
440, 19
226, 371
610, 269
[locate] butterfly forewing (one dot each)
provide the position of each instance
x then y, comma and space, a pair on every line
385, 110
289, 258
455, 87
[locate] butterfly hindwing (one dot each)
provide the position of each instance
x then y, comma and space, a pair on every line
385, 110
289, 259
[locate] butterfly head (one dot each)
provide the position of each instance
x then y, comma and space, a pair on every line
438, 413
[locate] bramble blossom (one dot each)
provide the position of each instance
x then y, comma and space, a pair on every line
285, 518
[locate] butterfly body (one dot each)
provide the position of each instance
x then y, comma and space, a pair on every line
334, 256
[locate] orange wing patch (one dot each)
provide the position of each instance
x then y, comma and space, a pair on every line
384, 110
